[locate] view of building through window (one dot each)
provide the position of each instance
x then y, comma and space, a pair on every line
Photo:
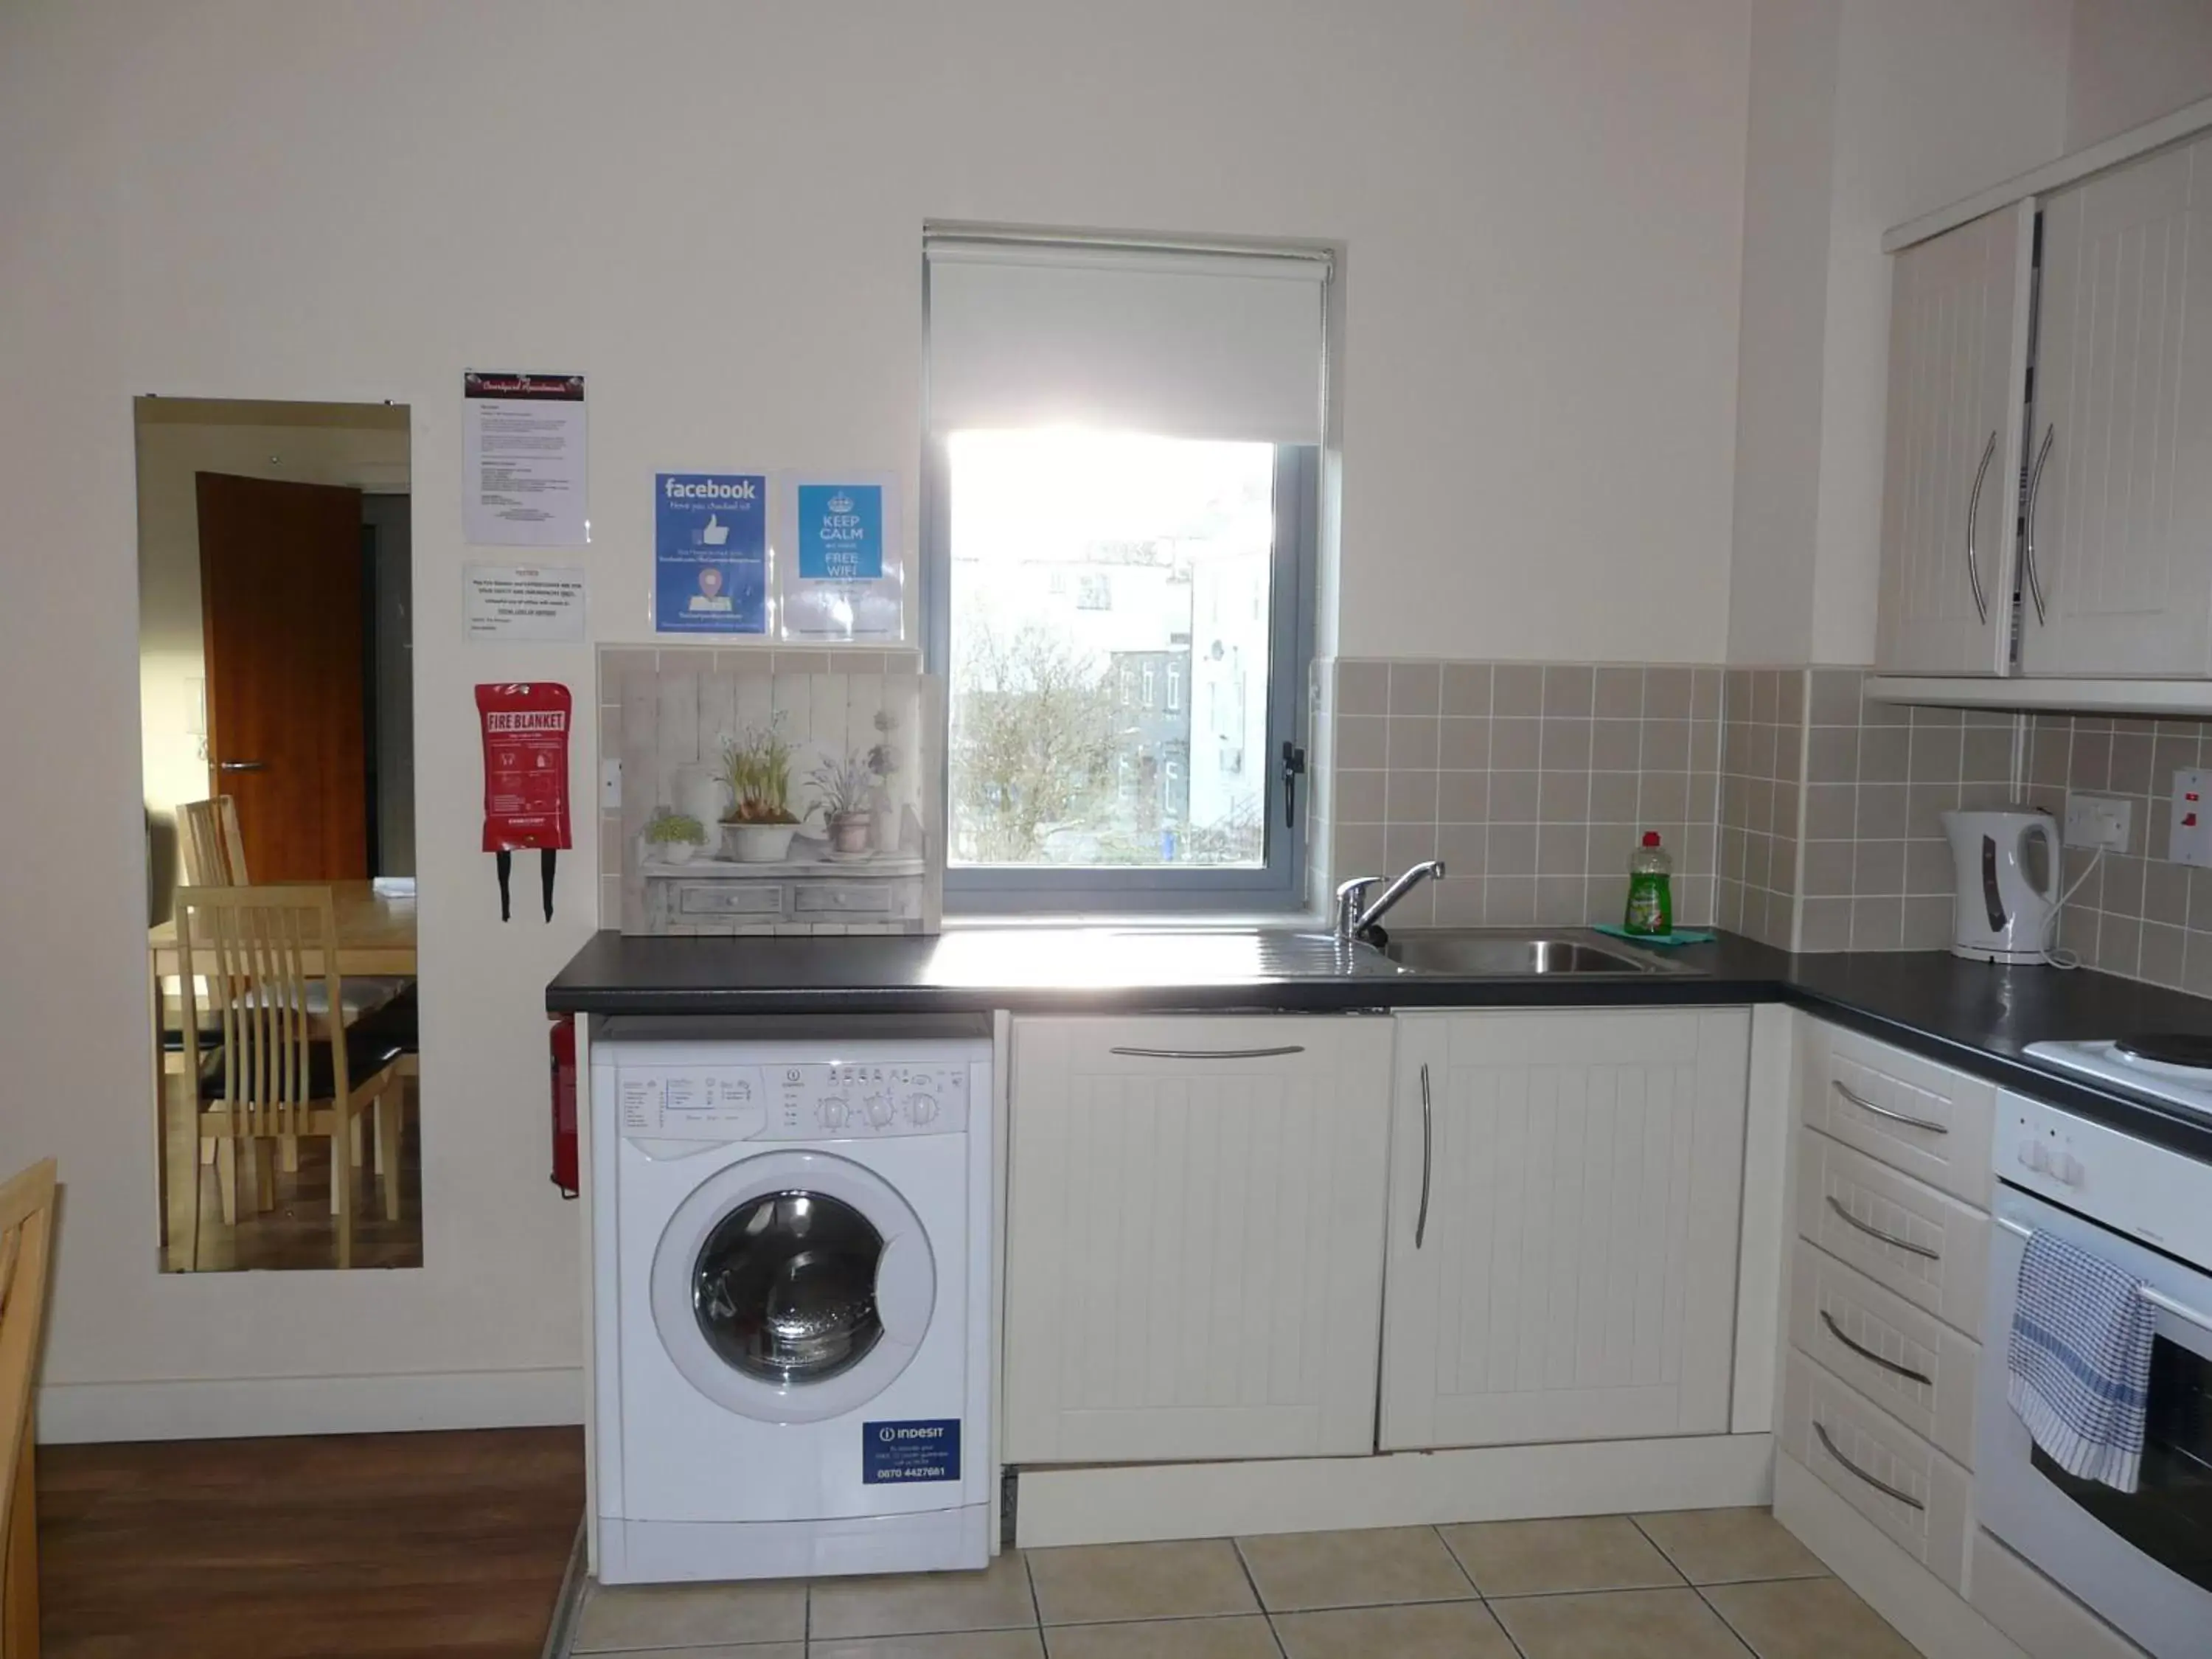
1109, 639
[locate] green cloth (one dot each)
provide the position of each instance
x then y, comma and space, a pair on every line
1680, 936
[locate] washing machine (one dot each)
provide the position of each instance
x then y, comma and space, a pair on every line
792, 1249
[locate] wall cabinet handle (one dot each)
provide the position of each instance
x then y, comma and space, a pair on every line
1887, 1238
1866, 1105
1428, 1115
1973, 515
1868, 1354
1881, 1487
2027, 540
242, 766
1210, 1053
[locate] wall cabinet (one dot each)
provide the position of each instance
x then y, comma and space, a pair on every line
1958, 357
1194, 1237
2117, 565
2053, 389
1564, 1189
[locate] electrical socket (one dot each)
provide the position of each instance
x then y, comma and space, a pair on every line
610, 785
2191, 841
2098, 821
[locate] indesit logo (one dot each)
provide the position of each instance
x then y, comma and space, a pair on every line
710, 490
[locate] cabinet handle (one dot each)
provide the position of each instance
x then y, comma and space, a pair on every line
1887, 1238
2028, 541
1868, 1354
242, 766
1973, 513
1866, 1105
1210, 1053
1428, 1114
1881, 1487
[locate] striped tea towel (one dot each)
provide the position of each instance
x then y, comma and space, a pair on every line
2078, 1370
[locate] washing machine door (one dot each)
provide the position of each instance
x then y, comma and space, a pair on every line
792, 1287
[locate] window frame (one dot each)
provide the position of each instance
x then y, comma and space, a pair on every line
1278, 885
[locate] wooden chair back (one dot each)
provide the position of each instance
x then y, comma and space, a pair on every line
208, 846
26, 1222
251, 952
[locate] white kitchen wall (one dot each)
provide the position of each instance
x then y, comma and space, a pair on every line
713, 211
2132, 60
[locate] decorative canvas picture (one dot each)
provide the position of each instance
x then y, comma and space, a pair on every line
756, 801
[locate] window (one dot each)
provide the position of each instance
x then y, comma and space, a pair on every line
1139, 428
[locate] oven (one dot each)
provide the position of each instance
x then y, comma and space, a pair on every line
2140, 1560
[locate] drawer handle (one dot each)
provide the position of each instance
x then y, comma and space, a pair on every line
1881, 1487
1887, 1238
1209, 1053
1868, 1354
1866, 1105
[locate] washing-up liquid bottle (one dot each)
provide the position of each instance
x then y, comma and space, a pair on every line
1651, 889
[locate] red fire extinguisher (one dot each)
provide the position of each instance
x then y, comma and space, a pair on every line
564, 1106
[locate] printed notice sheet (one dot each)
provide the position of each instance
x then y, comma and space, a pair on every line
532, 603
523, 459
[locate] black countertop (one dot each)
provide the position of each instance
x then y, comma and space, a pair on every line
1975, 1015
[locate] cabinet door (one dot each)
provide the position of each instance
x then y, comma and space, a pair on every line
1574, 1275
1958, 359
2120, 550
1194, 1237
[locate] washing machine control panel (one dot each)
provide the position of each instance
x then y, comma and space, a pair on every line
792, 1102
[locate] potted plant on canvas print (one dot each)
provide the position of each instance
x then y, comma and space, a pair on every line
842, 787
757, 769
675, 837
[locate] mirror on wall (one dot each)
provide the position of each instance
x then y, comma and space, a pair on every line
277, 712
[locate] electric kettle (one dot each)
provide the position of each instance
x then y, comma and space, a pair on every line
2005, 896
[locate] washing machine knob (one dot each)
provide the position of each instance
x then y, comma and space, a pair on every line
879, 1110
833, 1114
923, 1108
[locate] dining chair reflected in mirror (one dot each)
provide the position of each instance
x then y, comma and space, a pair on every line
266, 1068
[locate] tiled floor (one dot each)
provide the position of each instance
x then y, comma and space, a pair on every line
1702, 1584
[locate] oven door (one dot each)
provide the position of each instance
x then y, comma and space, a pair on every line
2141, 1560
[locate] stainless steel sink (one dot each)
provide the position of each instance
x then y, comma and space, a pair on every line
1505, 954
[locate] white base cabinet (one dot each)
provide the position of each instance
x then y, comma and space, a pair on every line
1565, 1191
1194, 1237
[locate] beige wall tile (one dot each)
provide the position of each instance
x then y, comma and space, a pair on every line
1413, 741
1463, 745
1515, 744
1363, 687
1618, 693
1667, 693
1565, 744
1616, 745
1568, 689
1416, 688
1467, 688
1462, 797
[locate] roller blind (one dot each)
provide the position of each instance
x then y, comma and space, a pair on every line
1173, 343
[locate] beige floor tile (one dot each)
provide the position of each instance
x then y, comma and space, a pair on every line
691, 1615
997, 1598
1430, 1629
1165, 1639
724, 1650
1808, 1618
1183, 1580
1295, 1571
1542, 1558
1668, 1624
1724, 1547
959, 1644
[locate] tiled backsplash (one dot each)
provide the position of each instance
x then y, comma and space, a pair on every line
1763, 738
1877, 870
2136, 914
1531, 780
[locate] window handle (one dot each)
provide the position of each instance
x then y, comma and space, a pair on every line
1294, 767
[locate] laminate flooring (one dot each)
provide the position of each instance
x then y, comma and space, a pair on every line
445, 1545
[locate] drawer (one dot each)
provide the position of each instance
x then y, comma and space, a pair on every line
1919, 1498
1927, 1120
1924, 1245
835, 899
1910, 1363
729, 898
